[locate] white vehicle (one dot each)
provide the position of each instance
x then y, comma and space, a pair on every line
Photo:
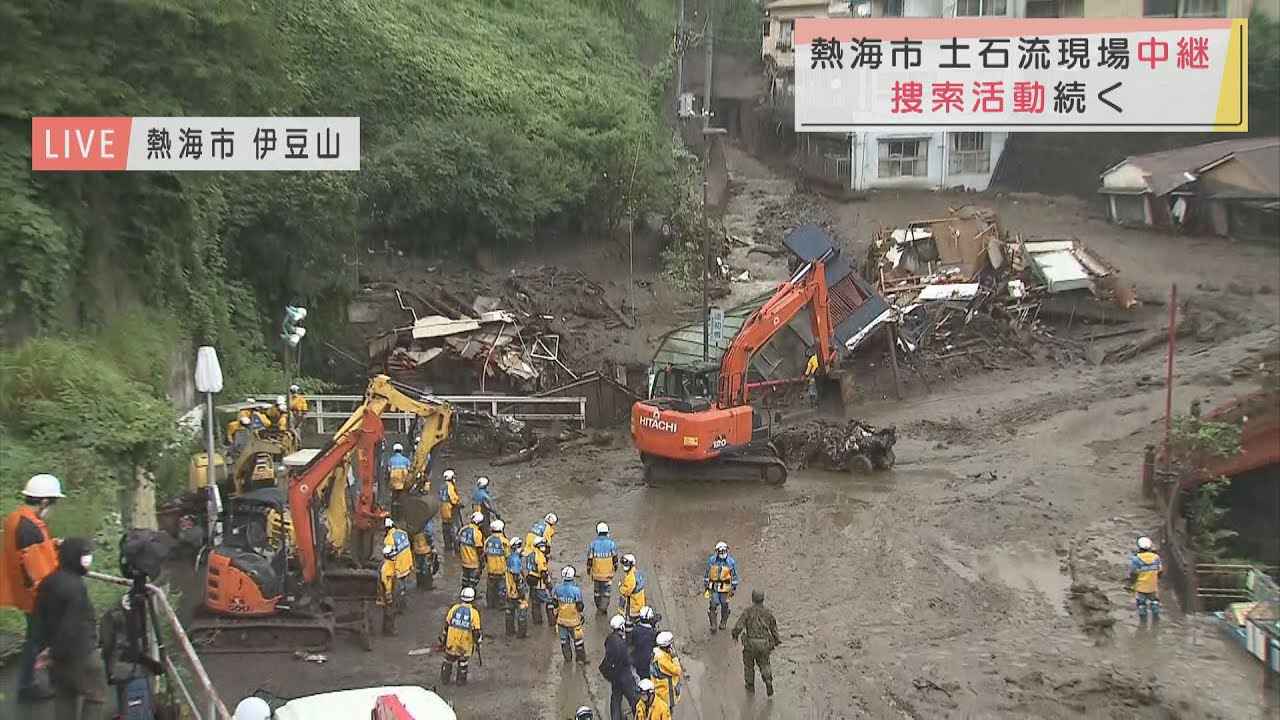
418, 702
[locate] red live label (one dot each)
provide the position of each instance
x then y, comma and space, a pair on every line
80, 143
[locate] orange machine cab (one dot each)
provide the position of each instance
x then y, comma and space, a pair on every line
659, 428
232, 591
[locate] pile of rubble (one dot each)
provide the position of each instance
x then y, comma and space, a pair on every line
962, 287
534, 331
853, 445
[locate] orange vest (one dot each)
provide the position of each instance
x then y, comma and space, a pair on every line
21, 571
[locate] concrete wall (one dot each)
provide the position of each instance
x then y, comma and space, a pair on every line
865, 148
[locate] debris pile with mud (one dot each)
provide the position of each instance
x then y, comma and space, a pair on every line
853, 445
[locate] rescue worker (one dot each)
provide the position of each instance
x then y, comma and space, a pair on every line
482, 502
298, 405
396, 576
720, 581
643, 638
425, 560
1144, 579
759, 631
602, 563
28, 555
650, 706
665, 670
279, 415
65, 613
470, 548
241, 437
810, 374
569, 619
516, 591
631, 590
545, 529
584, 713
397, 473
460, 636
450, 505
616, 668
496, 549
536, 570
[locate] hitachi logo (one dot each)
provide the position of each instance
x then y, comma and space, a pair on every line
656, 422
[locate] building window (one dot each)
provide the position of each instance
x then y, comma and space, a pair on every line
786, 30
904, 158
1129, 209
1043, 9
970, 153
1184, 8
967, 8
893, 8
767, 24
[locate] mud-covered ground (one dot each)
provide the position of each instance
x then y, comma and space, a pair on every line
939, 589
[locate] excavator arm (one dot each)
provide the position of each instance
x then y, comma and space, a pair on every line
362, 439
806, 288
435, 420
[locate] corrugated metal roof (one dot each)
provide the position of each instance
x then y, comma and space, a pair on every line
683, 346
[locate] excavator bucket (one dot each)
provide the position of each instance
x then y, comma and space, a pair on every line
415, 510
853, 302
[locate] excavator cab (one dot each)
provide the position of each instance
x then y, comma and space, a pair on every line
247, 572
686, 388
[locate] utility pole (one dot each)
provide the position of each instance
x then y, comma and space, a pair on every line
679, 51
708, 135
711, 48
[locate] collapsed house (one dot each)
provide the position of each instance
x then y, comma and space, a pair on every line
1229, 187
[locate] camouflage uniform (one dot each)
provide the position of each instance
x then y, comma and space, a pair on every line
760, 636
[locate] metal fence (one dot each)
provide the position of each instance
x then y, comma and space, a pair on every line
329, 411
205, 705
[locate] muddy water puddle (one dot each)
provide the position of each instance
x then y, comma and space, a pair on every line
1025, 567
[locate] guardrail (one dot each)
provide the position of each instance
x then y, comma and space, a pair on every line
338, 408
213, 707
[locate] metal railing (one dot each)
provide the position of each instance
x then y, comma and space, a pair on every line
339, 407
1221, 584
213, 708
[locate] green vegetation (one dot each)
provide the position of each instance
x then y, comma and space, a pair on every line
1196, 442
1264, 74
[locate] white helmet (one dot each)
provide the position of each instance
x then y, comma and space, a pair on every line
540, 542
516, 543
584, 713
43, 486
550, 519
617, 622
250, 400
280, 401
294, 389
497, 526
646, 685
602, 528
628, 560
244, 420
467, 594
568, 572
646, 614
448, 474
388, 522
722, 548
252, 708
1144, 543
477, 517
397, 448
482, 482
665, 638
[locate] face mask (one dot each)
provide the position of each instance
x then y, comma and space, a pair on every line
86, 561
44, 511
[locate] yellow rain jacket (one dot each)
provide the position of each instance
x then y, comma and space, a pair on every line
496, 549
667, 675
299, 403
632, 590
470, 546
461, 628
397, 562
655, 710
1146, 569
535, 567
449, 501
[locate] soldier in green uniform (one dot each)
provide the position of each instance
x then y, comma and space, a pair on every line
760, 636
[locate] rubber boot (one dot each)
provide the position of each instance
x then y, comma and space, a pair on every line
446, 672
511, 622
711, 616
522, 624
462, 671
768, 687
424, 581
551, 615
567, 650
724, 617
537, 617
751, 687
388, 621
580, 651
491, 594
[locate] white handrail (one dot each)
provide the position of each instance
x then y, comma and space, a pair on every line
346, 403
216, 710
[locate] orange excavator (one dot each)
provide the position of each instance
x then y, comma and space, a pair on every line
256, 599
698, 422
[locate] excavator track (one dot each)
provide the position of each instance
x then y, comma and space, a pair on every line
261, 635
351, 583
760, 467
